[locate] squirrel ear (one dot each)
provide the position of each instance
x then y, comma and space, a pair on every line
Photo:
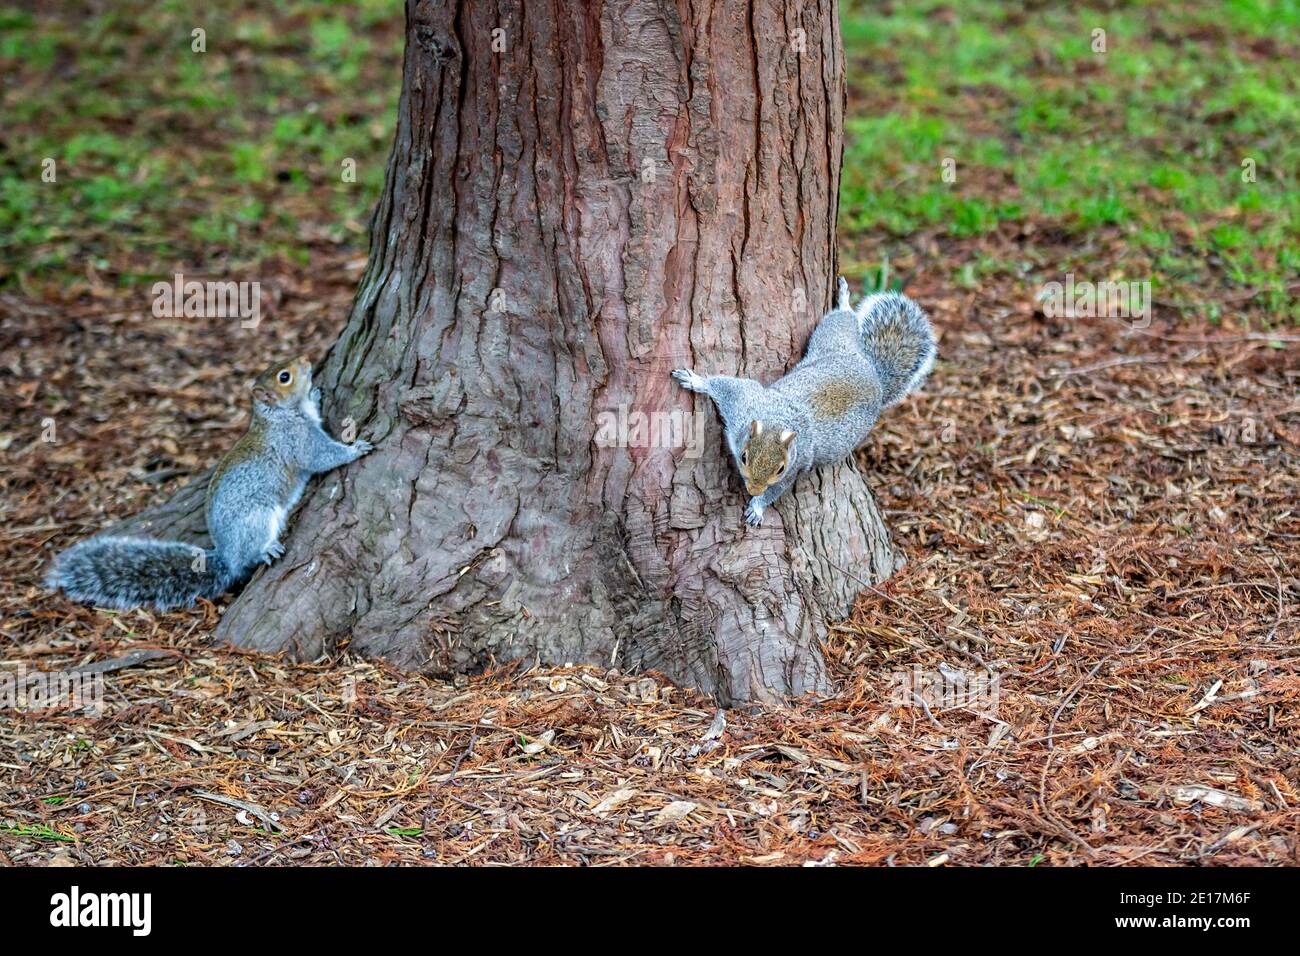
787, 437
755, 429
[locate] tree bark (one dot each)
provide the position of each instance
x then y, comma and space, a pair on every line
575, 206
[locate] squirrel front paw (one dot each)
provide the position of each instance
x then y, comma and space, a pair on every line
315, 397
274, 550
361, 447
689, 380
754, 511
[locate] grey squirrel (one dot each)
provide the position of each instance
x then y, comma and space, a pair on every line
857, 363
255, 486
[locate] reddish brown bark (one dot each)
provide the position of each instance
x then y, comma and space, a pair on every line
648, 185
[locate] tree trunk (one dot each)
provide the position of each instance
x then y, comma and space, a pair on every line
574, 206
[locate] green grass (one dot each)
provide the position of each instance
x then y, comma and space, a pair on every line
40, 831
1146, 139
219, 160
165, 155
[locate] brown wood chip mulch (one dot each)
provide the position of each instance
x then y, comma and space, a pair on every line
1107, 519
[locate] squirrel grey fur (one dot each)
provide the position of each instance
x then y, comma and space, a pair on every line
251, 492
857, 363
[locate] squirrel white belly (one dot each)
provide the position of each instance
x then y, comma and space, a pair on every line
857, 364
255, 486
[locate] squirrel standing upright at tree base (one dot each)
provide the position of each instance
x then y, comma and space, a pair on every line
250, 495
856, 365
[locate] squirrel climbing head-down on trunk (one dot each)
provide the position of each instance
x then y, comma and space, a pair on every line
858, 363
251, 492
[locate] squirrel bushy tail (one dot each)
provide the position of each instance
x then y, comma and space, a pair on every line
897, 337
128, 572
250, 494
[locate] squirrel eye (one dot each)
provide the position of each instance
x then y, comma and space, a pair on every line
286, 377
744, 457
